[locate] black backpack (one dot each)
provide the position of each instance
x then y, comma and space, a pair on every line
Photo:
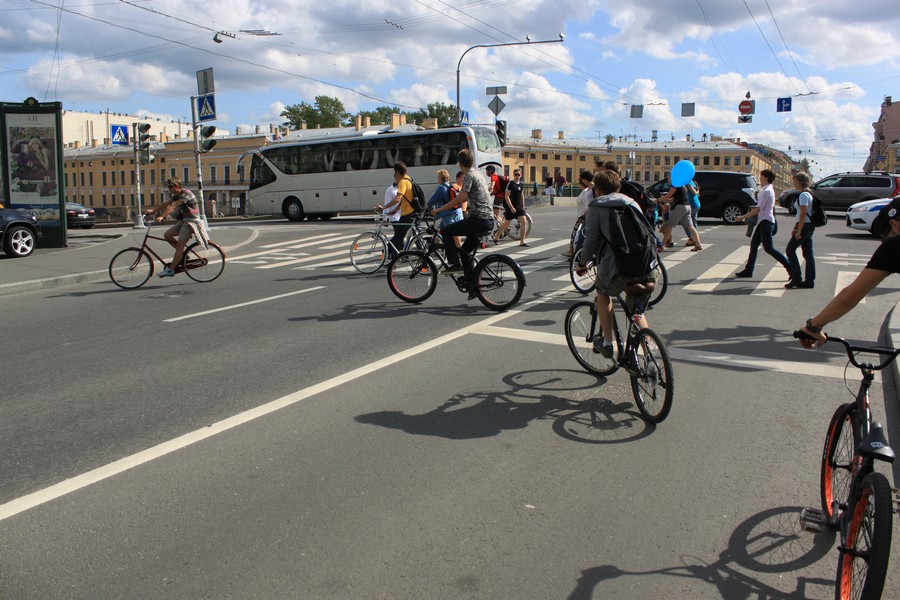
817, 215
418, 197
632, 242
639, 194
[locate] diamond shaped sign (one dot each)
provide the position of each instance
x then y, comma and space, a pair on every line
496, 105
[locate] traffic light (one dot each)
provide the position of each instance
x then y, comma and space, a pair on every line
501, 131
206, 142
142, 143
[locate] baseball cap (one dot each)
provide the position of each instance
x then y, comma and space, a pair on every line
882, 223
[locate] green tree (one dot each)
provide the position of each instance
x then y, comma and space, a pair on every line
444, 113
381, 115
326, 112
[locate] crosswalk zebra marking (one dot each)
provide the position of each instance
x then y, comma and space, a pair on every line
845, 278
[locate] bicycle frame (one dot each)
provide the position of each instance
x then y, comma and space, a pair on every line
147, 248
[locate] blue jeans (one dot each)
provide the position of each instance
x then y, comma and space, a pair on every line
805, 243
763, 235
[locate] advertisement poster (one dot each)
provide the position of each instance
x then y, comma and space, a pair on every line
33, 165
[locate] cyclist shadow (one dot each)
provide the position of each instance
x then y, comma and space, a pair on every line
770, 542
568, 398
383, 310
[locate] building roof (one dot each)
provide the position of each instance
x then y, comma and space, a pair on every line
593, 145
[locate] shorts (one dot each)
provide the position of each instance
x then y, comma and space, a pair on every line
499, 202
681, 214
184, 231
509, 215
619, 283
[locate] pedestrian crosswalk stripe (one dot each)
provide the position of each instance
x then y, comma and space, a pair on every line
845, 278
772, 285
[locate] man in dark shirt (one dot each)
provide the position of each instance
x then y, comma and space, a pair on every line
885, 261
514, 208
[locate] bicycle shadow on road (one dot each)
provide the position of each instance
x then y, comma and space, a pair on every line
768, 544
384, 310
569, 398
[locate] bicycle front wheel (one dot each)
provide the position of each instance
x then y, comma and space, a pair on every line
130, 268
499, 281
412, 276
584, 284
662, 284
863, 563
652, 379
203, 263
837, 463
581, 327
368, 252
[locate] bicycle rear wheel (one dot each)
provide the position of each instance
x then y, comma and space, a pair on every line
499, 281
412, 276
662, 284
652, 378
203, 263
863, 563
368, 252
837, 463
584, 284
514, 231
130, 268
581, 327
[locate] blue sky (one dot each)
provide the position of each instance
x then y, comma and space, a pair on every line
141, 57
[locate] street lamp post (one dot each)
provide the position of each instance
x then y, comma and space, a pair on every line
528, 42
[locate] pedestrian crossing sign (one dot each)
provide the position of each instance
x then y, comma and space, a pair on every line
206, 107
118, 135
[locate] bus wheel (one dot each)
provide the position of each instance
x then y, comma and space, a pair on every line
293, 209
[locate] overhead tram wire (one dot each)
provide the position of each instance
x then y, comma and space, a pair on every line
234, 58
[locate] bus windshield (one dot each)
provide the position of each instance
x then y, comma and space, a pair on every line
486, 140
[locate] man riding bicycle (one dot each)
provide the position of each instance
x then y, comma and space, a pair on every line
609, 281
187, 212
479, 219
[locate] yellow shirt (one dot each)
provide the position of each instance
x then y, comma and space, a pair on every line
404, 188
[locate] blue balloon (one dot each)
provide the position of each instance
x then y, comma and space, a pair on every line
682, 173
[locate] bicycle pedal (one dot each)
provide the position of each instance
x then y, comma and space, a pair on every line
812, 520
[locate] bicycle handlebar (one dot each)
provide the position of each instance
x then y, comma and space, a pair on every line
850, 349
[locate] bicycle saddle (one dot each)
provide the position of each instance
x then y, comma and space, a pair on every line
875, 446
639, 289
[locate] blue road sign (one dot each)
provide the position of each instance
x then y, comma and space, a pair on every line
464, 117
206, 108
118, 135
784, 105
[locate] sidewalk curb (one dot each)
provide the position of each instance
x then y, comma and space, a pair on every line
52, 282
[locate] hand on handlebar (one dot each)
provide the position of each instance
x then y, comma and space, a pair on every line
810, 340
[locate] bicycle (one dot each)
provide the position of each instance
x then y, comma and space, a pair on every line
855, 498
369, 250
132, 267
643, 355
584, 283
514, 231
497, 280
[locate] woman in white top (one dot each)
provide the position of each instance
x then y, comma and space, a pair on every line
801, 236
765, 225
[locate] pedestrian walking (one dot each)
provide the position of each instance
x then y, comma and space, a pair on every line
802, 236
765, 227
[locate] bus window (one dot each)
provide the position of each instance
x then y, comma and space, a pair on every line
260, 173
486, 140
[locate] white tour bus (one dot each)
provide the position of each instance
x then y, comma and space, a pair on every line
326, 172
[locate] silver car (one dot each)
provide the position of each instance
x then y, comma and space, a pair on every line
839, 191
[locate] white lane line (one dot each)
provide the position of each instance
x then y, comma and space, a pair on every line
773, 284
845, 278
63, 488
716, 274
685, 354
243, 304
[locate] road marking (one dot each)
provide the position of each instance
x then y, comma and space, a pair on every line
243, 304
685, 354
716, 274
309, 239
772, 285
73, 484
295, 245
295, 261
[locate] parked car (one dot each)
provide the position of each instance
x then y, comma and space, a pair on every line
723, 194
862, 214
839, 191
20, 232
79, 216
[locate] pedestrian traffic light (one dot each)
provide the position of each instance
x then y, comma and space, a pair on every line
142, 143
501, 131
206, 142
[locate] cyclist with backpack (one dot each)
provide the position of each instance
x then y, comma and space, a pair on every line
498, 189
802, 235
621, 242
404, 197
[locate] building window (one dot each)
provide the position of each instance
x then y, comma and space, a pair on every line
132, 198
132, 177
82, 179
582, 158
618, 159
184, 175
696, 160
727, 161
656, 161
668, 160
569, 174
152, 176
556, 157
637, 159
213, 173
716, 161
532, 174
506, 155
171, 171
746, 160
543, 156
706, 161
521, 155
103, 199
646, 175
533, 155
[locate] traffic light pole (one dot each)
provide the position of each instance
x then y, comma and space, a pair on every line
138, 218
196, 128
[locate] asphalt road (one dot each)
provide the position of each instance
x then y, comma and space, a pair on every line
298, 432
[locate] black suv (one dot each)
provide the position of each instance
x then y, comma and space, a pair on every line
839, 191
19, 232
723, 194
